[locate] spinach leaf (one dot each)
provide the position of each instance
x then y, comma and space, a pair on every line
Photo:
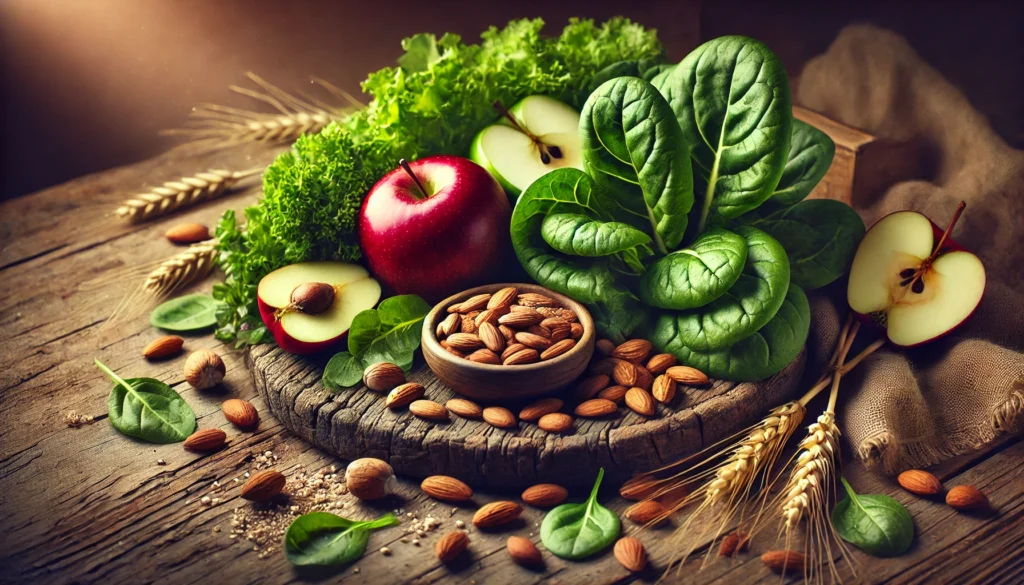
325, 540
819, 235
697, 275
148, 409
876, 524
389, 333
746, 307
577, 531
187, 313
646, 69
731, 98
753, 358
578, 235
634, 149
810, 155
344, 370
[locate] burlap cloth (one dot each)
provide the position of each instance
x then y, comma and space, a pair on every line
913, 408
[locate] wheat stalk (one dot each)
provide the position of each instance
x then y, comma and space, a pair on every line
185, 192
181, 269
218, 126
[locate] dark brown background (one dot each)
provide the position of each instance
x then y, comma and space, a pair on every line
88, 84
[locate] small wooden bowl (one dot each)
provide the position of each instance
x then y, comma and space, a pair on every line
502, 383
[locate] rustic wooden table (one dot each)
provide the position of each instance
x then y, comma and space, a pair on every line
90, 505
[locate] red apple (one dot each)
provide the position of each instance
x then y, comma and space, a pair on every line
309, 307
911, 278
435, 226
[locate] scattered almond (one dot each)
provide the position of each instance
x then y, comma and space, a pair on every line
240, 413
451, 546
496, 514
631, 554
428, 409
647, 511
545, 495
524, 356
967, 497
503, 298
614, 393
369, 478
664, 389
604, 347
784, 561
205, 440
555, 422
484, 356
640, 401
163, 347
919, 482
533, 411
464, 408
734, 542
634, 350
524, 552
446, 489
639, 488
501, 417
404, 394
596, 407
263, 486
188, 233
687, 375
558, 349
491, 337
204, 369
625, 374
587, 388
604, 366
383, 376
661, 362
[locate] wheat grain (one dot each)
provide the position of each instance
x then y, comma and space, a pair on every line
185, 192
814, 471
181, 269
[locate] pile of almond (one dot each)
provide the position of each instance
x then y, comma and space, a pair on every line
509, 328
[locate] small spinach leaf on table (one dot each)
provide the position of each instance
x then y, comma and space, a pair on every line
577, 531
696, 275
753, 358
819, 235
876, 524
187, 313
344, 370
731, 98
148, 409
321, 539
810, 155
634, 150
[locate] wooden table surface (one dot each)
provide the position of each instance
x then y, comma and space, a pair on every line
91, 505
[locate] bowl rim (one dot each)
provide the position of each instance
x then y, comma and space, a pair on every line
429, 337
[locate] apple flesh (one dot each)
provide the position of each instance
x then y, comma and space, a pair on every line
911, 278
535, 136
302, 316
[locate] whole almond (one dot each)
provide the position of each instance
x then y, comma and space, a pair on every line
640, 401
524, 356
496, 514
465, 341
521, 319
484, 356
967, 497
464, 408
404, 394
596, 407
491, 337
634, 350
263, 486
383, 376
428, 409
536, 300
625, 374
557, 349
647, 512
614, 393
664, 389
188, 233
503, 298
532, 340
639, 488
467, 323
575, 330
644, 378
687, 375
788, 561
604, 347
501, 417
533, 411
587, 388
545, 495
452, 350
205, 440
511, 349
661, 362
560, 312
240, 413
631, 554
507, 332
204, 369
451, 324
734, 542
524, 552
489, 316
446, 489
163, 347
555, 422
559, 327
604, 366
370, 479
919, 482
540, 331
451, 546
474, 303
455, 308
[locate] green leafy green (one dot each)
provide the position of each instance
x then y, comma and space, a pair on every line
633, 148
320, 539
697, 275
186, 313
876, 524
646, 69
389, 333
810, 155
731, 97
148, 409
577, 531
579, 235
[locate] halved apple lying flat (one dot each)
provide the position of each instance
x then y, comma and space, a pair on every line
308, 307
537, 135
911, 278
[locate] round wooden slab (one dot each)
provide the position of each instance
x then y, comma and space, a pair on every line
354, 423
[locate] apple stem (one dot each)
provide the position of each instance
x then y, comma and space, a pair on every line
949, 229
405, 165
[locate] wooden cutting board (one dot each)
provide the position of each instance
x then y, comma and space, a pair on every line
354, 423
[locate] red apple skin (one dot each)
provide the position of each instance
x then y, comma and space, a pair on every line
289, 343
435, 246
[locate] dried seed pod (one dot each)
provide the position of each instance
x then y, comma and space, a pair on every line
204, 369
383, 376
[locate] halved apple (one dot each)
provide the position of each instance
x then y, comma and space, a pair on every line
308, 307
911, 278
537, 135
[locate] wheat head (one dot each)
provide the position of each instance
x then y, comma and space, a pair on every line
181, 269
185, 192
